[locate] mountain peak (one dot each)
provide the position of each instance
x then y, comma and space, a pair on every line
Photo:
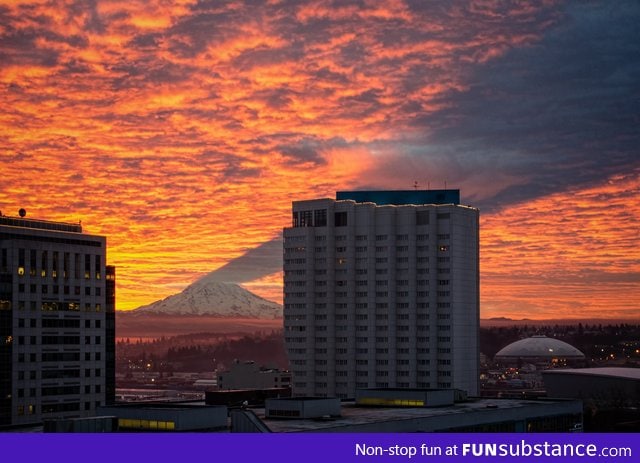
214, 298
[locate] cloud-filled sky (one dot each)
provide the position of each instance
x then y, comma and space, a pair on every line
183, 129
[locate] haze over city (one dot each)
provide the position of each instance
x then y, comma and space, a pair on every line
183, 130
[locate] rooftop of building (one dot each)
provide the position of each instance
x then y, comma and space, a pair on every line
38, 224
401, 197
608, 372
354, 415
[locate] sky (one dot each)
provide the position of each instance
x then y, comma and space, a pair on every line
183, 129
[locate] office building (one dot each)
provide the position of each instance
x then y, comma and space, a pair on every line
57, 322
381, 289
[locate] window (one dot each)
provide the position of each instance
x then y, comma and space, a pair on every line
87, 266
320, 218
54, 270
340, 219
305, 219
45, 263
422, 217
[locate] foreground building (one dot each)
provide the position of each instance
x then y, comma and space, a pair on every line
395, 411
381, 289
57, 322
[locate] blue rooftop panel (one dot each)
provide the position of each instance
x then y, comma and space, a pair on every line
401, 197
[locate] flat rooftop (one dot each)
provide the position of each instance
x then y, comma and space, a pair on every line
40, 224
401, 197
609, 372
353, 415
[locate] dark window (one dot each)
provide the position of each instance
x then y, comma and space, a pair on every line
54, 268
422, 217
32, 262
340, 219
87, 266
4, 261
45, 263
320, 218
305, 219
65, 268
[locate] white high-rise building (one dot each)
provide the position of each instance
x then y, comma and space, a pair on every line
57, 322
381, 289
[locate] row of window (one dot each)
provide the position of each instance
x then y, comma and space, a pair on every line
359, 238
318, 218
362, 385
59, 289
359, 294
59, 306
358, 249
53, 340
59, 357
31, 409
97, 373
342, 261
54, 263
57, 323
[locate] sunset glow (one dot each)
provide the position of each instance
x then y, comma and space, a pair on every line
182, 130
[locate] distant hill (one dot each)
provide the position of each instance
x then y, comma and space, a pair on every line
504, 321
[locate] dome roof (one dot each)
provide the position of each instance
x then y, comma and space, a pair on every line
539, 347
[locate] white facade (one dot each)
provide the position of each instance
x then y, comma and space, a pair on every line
57, 322
381, 296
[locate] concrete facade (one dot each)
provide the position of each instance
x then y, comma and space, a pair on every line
379, 296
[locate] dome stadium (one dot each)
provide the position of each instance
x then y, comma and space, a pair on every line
539, 348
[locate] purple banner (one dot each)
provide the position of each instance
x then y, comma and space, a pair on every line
320, 448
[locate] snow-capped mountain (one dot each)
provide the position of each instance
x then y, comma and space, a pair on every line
213, 298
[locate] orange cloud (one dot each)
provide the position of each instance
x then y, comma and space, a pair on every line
183, 130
